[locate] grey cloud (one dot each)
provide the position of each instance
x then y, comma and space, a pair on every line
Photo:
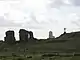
35, 24
7, 23
32, 24
52, 21
59, 3
9, 0
56, 3
40, 25
75, 2
77, 20
33, 18
76, 23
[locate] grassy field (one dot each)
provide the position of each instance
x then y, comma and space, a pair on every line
39, 51
39, 57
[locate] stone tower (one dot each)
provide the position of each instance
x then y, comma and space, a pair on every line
9, 37
51, 34
23, 35
64, 30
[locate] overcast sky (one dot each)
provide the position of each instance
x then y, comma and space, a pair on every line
39, 16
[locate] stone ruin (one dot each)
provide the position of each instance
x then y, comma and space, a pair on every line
51, 35
64, 30
9, 37
25, 35
31, 35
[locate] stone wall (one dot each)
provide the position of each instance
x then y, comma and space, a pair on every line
25, 35
9, 37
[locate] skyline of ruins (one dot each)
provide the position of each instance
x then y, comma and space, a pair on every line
39, 16
22, 32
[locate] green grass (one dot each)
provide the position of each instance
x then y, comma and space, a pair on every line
38, 57
35, 51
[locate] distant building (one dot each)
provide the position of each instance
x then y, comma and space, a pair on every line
23, 35
51, 34
9, 37
64, 30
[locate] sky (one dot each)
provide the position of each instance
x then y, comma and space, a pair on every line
39, 16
